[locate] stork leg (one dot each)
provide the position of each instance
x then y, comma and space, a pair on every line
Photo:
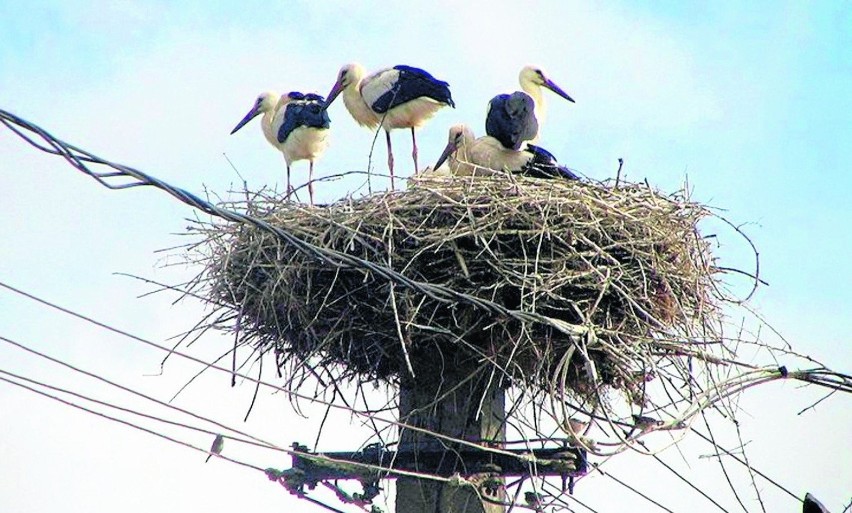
288, 181
311, 181
414, 150
390, 157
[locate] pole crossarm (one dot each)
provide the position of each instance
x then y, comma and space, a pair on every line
375, 462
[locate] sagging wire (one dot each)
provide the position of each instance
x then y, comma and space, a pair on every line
257, 441
274, 387
124, 422
35, 390
78, 158
365, 466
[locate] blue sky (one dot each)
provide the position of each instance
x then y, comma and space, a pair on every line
751, 102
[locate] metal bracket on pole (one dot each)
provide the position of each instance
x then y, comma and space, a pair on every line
309, 469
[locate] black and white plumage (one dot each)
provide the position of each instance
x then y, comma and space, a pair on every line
516, 118
511, 119
544, 165
398, 97
467, 155
412, 83
302, 110
296, 124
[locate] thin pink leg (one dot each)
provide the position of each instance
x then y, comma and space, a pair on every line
311, 182
414, 151
390, 158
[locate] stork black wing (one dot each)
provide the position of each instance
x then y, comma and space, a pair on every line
314, 97
303, 113
413, 83
511, 119
543, 165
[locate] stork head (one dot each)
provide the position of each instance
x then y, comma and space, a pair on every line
535, 76
460, 135
265, 102
348, 76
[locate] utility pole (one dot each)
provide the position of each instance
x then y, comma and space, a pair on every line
460, 402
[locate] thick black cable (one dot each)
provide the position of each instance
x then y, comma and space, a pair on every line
78, 158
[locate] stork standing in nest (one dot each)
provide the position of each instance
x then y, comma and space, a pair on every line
398, 97
468, 156
515, 118
296, 124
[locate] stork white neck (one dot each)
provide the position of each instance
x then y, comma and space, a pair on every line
269, 106
355, 104
463, 147
534, 90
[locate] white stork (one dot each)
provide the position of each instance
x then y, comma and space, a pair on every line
296, 124
515, 118
398, 97
468, 156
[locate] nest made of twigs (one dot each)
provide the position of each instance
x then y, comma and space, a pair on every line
504, 271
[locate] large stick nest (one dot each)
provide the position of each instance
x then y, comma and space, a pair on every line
620, 269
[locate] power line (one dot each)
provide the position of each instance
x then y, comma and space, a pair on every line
246, 377
632, 489
257, 441
78, 158
332, 405
317, 457
689, 483
124, 422
740, 461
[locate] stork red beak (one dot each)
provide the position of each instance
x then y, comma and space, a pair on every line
338, 87
558, 90
449, 150
251, 115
